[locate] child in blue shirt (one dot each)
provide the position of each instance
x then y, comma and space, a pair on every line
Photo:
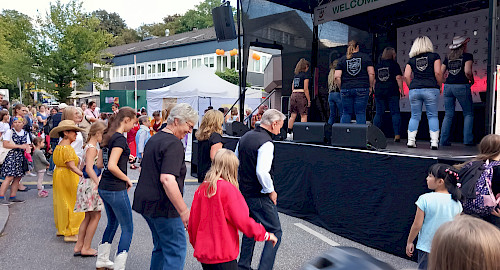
434, 209
142, 136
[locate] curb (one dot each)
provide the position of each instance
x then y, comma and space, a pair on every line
4, 216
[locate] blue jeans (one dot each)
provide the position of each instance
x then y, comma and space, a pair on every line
428, 97
393, 102
335, 101
118, 211
452, 92
354, 100
263, 211
169, 241
423, 258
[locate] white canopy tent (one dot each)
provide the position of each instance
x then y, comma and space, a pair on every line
201, 88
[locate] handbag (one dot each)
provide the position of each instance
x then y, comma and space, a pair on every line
3, 153
96, 170
25, 164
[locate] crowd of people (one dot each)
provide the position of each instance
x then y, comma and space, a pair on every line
354, 77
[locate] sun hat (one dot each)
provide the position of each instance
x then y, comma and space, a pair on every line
458, 41
62, 106
64, 125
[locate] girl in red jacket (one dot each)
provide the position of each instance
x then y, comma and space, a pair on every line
218, 212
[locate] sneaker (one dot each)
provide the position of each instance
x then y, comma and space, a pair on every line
15, 200
49, 173
31, 174
5, 202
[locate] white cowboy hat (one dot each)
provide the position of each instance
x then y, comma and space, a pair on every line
62, 106
458, 41
64, 125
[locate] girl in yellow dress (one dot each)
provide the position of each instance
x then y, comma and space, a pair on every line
65, 181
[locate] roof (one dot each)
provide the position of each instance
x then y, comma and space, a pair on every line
201, 35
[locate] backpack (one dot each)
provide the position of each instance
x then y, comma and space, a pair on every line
49, 126
475, 179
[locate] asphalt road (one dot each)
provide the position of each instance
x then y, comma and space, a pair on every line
30, 242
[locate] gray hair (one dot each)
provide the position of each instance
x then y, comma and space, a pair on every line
272, 115
184, 113
421, 45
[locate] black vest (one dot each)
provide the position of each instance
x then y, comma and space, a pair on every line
248, 147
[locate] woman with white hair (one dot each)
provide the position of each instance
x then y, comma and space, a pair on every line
158, 196
425, 85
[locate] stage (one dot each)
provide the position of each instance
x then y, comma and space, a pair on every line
364, 195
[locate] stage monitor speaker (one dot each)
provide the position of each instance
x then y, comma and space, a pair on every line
311, 132
358, 136
224, 23
236, 128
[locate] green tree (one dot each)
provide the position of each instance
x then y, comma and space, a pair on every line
127, 36
200, 17
230, 75
154, 29
70, 42
16, 49
110, 22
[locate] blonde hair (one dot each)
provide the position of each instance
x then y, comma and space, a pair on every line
465, 243
211, 122
225, 166
234, 111
352, 45
331, 75
69, 113
388, 53
95, 128
166, 112
301, 66
421, 45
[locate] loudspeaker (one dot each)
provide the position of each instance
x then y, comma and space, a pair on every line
224, 23
310, 132
236, 128
358, 136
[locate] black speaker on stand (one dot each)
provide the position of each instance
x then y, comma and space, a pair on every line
224, 22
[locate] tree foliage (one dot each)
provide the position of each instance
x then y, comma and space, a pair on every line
200, 17
71, 40
116, 26
230, 75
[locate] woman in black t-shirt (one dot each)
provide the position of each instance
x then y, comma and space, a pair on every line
388, 89
209, 137
425, 65
158, 196
458, 66
300, 99
355, 76
113, 188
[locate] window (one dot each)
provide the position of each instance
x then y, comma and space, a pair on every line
153, 68
224, 62
205, 61
174, 66
149, 69
193, 63
233, 61
264, 62
211, 62
169, 66
219, 63
163, 67
121, 72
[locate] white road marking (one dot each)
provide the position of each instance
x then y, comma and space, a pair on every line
317, 234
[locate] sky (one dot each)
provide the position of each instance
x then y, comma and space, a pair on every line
134, 12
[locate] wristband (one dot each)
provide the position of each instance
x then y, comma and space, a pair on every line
266, 237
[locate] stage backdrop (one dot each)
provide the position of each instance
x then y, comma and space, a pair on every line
441, 32
368, 197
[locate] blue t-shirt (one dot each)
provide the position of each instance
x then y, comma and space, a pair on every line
438, 208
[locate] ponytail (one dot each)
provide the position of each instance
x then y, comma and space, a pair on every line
115, 121
450, 176
351, 48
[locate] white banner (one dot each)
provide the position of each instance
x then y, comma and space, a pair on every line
344, 8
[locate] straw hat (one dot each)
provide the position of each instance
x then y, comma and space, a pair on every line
64, 125
458, 41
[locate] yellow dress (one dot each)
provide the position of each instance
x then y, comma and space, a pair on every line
65, 184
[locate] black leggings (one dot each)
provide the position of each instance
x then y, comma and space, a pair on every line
232, 265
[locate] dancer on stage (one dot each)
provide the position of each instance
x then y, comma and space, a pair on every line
300, 99
458, 66
425, 65
355, 76
388, 89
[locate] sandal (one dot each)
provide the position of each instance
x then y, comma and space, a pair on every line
43, 193
133, 167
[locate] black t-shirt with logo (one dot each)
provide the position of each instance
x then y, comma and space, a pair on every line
204, 160
298, 80
456, 69
422, 66
354, 73
385, 74
109, 181
163, 154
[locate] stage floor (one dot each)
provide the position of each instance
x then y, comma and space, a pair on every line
456, 151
